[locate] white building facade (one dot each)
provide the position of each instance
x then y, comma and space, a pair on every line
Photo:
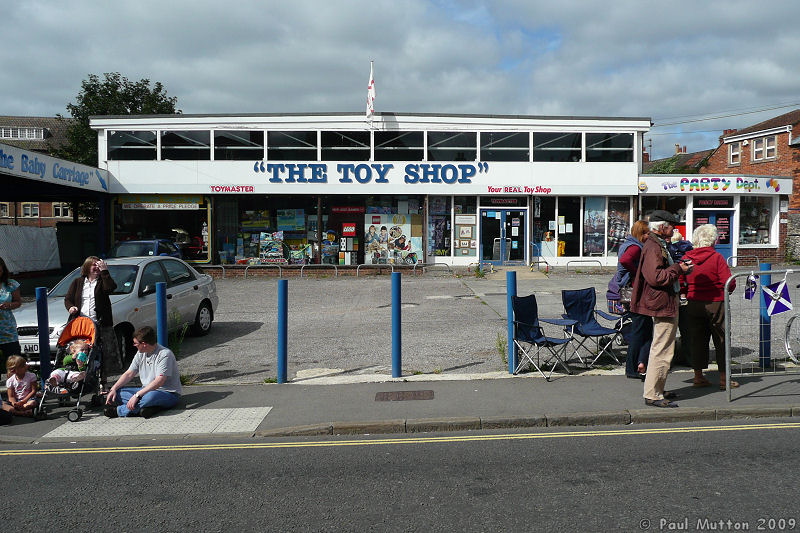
403, 188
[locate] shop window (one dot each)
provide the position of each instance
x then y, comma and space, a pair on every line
594, 226
60, 209
131, 146
734, 152
755, 217
569, 226
292, 145
4, 210
619, 223
345, 146
764, 148
673, 204
452, 146
399, 146
544, 226
439, 226
30, 210
607, 147
186, 145
238, 145
556, 146
505, 146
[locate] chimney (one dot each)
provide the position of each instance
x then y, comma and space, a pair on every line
677, 148
645, 156
684, 148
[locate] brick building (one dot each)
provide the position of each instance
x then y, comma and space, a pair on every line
37, 134
769, 148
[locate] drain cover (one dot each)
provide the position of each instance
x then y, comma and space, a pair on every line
403, 395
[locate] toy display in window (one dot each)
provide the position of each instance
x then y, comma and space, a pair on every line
330, 248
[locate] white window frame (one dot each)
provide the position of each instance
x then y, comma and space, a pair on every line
771, 146
757, 150
21, 133
32, 210
61, 209
735, 152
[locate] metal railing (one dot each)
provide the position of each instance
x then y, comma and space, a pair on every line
740, 257
599, 263
268, 265
321, 265
204, 267
751, 332
430, 265
376, 266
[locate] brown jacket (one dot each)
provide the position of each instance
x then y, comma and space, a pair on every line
102, 303
654, 284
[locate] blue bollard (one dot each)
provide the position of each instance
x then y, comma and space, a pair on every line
161, 314
44, 333
396, 327
765, 322
283, 319
511, 291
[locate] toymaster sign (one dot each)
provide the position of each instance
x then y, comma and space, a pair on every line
33, 165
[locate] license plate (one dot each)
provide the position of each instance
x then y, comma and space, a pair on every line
30, 348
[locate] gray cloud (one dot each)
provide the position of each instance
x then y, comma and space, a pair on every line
626, 58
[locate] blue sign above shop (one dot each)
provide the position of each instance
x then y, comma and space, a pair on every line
33, 165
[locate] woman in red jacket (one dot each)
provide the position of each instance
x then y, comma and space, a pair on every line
704, 288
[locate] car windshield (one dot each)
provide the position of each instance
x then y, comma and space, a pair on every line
132, 249
124, 276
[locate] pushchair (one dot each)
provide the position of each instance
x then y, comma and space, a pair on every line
81, 327
622, 324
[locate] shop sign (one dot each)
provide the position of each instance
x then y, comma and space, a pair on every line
160, 206
347, 209
724, 202
232, 188
25, 164
349, 229
366, 173
500, 201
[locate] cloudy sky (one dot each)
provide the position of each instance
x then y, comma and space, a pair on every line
675, 61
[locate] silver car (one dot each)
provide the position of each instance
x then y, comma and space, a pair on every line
191, 299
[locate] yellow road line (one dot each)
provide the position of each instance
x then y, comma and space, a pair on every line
401, 440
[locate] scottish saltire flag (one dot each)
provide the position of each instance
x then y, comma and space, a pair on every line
750, 286
370, 94
776, 298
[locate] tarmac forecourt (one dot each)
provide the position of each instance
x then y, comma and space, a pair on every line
340, 361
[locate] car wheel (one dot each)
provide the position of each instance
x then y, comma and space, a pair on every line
203, 319
125, 344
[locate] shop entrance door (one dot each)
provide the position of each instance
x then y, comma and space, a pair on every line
723, 220
502, 236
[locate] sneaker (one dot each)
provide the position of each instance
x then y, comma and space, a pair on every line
147, 412
110, 411
62, 391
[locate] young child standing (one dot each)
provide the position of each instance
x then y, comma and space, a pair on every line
22, 386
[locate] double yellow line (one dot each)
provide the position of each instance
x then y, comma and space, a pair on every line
400, 440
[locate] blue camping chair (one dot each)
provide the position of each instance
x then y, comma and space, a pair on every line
528, 335
579, 306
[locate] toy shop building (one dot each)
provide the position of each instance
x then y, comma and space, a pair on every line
401, 188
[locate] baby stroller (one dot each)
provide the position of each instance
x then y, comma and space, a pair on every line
81, 327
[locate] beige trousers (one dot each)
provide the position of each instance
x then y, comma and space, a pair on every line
661, 352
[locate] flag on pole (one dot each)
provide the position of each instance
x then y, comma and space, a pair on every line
370, 94
776, 298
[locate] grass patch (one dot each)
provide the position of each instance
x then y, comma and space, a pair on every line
479, 273
270, 380
501, 344
188, 379
437, 370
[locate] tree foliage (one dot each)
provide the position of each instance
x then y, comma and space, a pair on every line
113, 95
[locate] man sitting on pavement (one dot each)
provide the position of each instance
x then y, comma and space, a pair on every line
655, 293
158, 371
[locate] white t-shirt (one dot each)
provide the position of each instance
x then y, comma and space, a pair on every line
160, 363
22, 387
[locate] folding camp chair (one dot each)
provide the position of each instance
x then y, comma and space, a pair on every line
527, 331
579, 306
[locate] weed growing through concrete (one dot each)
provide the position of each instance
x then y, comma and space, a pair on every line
502, 348
177, 331
437, 370
270, 380
187, 379
479, 273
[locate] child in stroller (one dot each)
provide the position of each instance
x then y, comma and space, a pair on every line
72, 370
79, 337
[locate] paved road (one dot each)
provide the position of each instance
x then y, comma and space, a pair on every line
553, 479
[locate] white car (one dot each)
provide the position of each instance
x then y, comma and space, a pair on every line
191, 299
